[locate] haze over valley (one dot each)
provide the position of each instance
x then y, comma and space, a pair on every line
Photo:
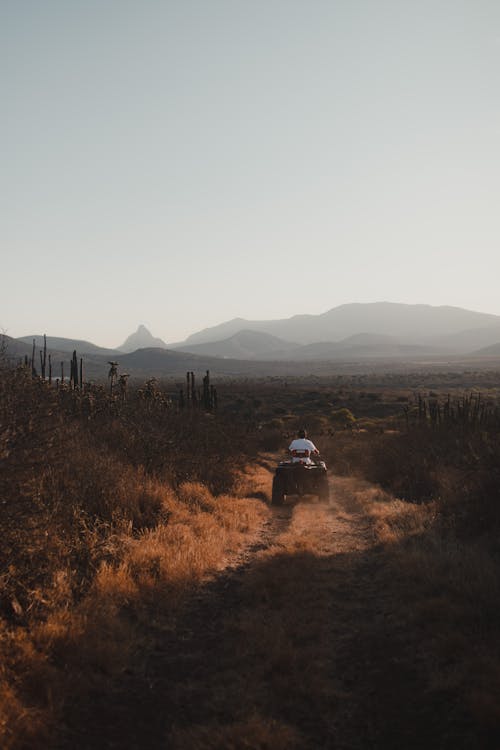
379, 334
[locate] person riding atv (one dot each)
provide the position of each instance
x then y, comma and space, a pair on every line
302, 448
300, 475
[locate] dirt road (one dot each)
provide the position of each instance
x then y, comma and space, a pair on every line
297, 643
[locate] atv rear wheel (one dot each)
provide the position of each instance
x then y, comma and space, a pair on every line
278, 493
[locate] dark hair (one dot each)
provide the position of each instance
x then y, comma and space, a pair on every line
302, 434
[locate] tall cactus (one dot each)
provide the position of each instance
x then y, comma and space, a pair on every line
206, 392
74, 370
44, 358
112, 375
190, 388
33, 368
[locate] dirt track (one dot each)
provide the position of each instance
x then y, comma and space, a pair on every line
297, 642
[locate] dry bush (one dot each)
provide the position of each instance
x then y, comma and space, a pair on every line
175, 446
91, 636
271, 438
448, 592
345, 452
457, 469
102, 514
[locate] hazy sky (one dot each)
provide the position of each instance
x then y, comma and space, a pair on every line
179, 163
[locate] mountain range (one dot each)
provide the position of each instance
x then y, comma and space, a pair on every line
415, 324
356, 333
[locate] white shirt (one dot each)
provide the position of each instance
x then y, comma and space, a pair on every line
302, 444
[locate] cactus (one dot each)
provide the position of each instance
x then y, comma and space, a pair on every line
190, 388
112, 375
122, 384
206, 392
43, 358
206, 395
74, 371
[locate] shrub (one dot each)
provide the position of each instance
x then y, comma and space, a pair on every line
342, 417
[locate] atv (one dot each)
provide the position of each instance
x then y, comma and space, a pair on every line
300, 476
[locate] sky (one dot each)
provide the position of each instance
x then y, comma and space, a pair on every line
178, 163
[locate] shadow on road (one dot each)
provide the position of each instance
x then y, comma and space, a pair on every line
293, 650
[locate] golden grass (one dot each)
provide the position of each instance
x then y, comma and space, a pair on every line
48, 658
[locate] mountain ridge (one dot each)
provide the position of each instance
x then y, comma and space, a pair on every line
246, 344
389, 318
62, 344
359, 345
375, 332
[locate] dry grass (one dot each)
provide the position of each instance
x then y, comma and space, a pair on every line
104, 529
449, 596
49, 660
90, 539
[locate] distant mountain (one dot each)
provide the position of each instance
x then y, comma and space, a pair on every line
252, 345
141, 339
413, 324
348, 338
67, 345
470, 339
289, 329
243, 345
363, 345
59, 350
14, 348
488, 351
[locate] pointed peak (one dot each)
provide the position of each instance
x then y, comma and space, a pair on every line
141, 339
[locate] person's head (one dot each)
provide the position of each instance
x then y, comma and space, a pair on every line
302, 434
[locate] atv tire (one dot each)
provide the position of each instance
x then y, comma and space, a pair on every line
278, 493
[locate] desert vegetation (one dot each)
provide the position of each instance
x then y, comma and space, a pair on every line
117, 507
103, 504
